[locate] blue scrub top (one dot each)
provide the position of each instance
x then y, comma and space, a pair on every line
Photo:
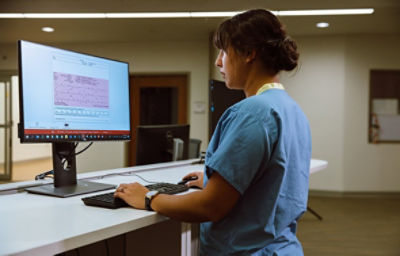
262, 147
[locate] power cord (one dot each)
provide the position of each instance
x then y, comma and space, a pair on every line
70, 154
50, 174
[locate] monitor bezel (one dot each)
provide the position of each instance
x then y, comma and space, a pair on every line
83, 138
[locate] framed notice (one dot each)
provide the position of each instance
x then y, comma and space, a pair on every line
384, 106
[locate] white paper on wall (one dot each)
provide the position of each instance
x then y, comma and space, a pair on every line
199, 107
389, 127
385, 106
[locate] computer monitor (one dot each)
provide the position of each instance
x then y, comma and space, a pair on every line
67, 97
161, 143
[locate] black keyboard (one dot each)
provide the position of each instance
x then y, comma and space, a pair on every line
108, 200
167, 188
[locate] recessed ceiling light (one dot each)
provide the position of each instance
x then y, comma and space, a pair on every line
322, 25
48, 29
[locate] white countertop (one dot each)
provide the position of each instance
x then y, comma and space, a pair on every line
42, 225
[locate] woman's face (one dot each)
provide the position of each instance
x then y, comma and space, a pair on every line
232, 67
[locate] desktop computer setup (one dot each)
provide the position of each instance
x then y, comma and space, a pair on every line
68, 97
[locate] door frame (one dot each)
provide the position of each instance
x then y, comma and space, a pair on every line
5, 76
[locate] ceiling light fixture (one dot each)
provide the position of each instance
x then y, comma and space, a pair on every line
180, 14
12, 15
326, 12
63, 15
48, 29
322, 24
148, 15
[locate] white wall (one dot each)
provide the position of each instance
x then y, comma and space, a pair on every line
367, 167
332, 86
318, 86
8, 57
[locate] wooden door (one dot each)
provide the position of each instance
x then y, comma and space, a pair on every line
156, 99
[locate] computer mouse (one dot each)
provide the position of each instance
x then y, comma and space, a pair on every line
185, 180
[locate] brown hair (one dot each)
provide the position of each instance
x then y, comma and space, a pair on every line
261, 31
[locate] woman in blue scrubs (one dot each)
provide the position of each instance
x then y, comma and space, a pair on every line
255, 182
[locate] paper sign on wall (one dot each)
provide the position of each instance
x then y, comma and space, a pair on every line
389, 127
385, 106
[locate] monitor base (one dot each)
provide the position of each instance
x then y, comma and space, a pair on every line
83, 187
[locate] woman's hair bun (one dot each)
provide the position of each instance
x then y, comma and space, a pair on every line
259, 30
288, 55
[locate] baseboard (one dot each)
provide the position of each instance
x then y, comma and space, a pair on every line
369, 194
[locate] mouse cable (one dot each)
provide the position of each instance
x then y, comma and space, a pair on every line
137, 175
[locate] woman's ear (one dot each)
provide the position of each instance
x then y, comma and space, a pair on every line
251, 56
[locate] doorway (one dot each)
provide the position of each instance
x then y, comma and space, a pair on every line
155, 100
5, 127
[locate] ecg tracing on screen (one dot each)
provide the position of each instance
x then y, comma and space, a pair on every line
80, 91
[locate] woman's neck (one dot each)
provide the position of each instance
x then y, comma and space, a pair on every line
255, 82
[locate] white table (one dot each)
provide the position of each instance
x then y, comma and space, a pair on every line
317, 165
43, 225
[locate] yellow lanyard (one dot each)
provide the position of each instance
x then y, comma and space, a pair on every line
269, 86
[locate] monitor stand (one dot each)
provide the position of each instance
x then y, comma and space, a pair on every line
65, 182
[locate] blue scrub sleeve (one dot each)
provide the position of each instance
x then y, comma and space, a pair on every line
243, 146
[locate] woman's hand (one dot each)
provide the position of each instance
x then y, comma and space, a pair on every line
194, 183
133, 194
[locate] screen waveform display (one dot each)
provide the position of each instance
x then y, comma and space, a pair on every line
80, 91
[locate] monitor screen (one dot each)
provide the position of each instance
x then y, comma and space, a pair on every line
162, 143
67, 97
70, 96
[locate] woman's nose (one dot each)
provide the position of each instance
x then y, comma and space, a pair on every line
218, 61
